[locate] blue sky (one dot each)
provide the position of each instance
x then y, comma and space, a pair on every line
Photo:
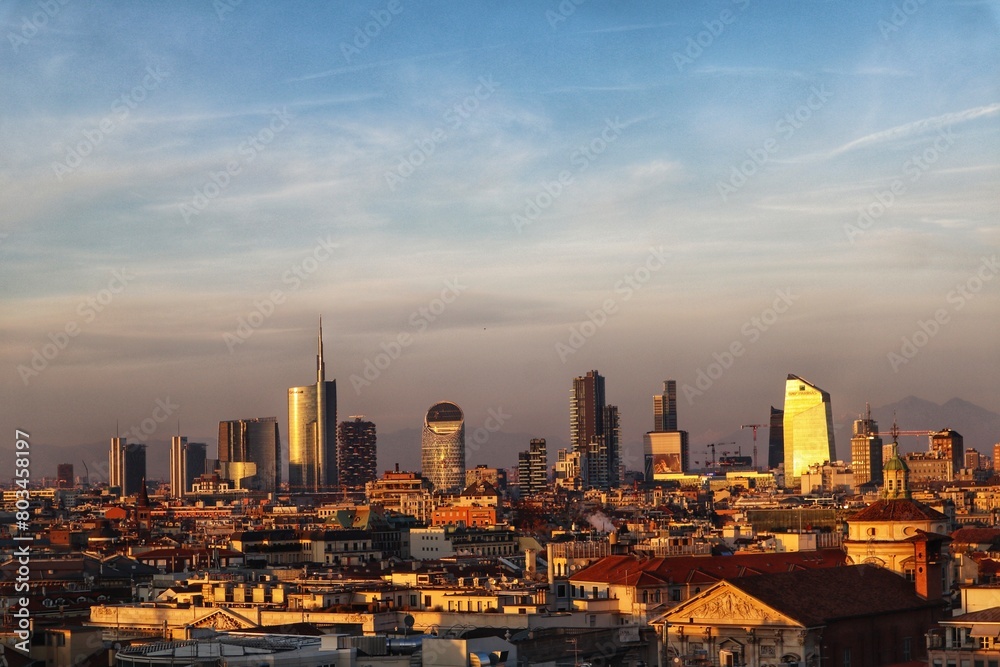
653, 174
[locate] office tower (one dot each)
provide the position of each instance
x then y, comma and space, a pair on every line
442, 447
949, 444
974, 460
866, 451
776, 439
250, 453
665, 408
64, 476
665, 453
356, 453
594, 431
187, 463
808, 428
126, 466
312, 435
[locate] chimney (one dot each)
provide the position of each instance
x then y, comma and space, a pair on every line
927, 567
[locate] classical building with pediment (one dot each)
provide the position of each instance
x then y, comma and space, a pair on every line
860, 616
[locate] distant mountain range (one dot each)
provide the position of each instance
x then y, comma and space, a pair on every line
979, 427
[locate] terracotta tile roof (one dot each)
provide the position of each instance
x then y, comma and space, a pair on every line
899, 509
975, 535
861, 590
626, 570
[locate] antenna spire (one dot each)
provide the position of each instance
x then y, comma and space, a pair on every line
320, 365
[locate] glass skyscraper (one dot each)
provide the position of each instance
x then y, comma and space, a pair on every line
808, 428
665, 408
250, 453
312, 431
442, 447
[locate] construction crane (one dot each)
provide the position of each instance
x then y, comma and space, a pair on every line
86, 484
754, 427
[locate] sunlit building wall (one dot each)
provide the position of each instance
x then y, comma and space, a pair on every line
312, 432
808, 428
442, 447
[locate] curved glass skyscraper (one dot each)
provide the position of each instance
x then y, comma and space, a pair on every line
442, 446
808, 428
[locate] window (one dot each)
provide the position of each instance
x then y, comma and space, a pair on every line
907, 649
847, 657
561, 591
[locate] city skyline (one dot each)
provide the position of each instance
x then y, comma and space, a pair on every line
486, 213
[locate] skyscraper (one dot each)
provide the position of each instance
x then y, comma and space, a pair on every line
866, 451
312, 434
356, 453
126, 467
776, 439
250, 453
808, 428
594, 430
64, 476
187, 462
665, 408
442, 447
533, 468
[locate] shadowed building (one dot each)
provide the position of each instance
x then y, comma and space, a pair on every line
665, 408
250, 453
312, 434
187, 463
127, 466
866, 452
776, 439
442, 447
594, 431
808, 428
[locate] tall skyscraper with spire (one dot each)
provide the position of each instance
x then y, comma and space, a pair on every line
312, 431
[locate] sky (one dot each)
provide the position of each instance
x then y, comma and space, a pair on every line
485, 200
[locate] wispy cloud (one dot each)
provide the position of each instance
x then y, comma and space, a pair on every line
916, 127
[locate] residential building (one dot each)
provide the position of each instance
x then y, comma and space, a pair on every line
127, 466
533, 468
64, 476
404, 492
442, 447
808, 428
312, 435
828, 477
951, 445
595, 431
187, 463
356, 452
483, 473
866, 452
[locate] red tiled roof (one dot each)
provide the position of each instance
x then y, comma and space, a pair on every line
626, 570
975, 535
862, 590
898, 509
